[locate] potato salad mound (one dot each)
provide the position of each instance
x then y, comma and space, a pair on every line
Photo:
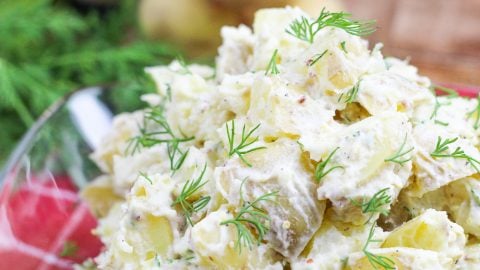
301, 149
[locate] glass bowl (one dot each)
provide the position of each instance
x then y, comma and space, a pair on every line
44, 224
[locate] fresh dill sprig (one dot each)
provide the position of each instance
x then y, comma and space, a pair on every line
183, 65
302, 29
251, 217
399, 156
377, 204
351, 94
246, 141
187, 196
451, 93
305, 29
163, 134
441, 148
475, 196
146, 177
476, 113
70, 249
320, 171
377, 261
272, 65
315, 58
342, 45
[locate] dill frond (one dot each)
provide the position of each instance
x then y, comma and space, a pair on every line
246, 141
272, 65
377, 204
399, 156
315, 58
306, 29
441, 151
320, 169
251, 217
187, 200
377, 261
351, 95
475, 113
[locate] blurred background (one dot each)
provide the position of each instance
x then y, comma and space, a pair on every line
51, 47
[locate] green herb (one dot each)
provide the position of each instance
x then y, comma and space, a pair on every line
351, 94
302, 147
169, 92
441, 148
162, 134
438, 122
475, 196
342, 45
451, 93
272, 65
55, 49
246, 141
146, 177
320, 171
377, 261
70, 248
251, 217
476, 113
187, 196
305, 29
183, 64
315, 58
399, 156
377, 204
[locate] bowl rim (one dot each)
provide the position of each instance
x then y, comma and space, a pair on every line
26, 141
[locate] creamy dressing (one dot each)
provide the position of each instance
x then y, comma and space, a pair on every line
299, 118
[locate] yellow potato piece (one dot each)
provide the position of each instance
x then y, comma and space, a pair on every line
158, 232
430, 231
100, 196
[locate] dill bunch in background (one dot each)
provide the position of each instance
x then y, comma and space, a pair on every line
49, 48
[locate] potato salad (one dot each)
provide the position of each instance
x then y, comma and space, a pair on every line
304, 148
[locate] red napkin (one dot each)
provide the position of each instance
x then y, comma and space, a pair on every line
44, 225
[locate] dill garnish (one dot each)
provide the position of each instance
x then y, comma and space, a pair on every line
475, 112
377, 261
70, 248
320, 171
272, 65
441, 148
161, 134
315, 58
251, 217
399, 156
306, 29
351, 94
187, 196
377, 204
342, 45
246, 141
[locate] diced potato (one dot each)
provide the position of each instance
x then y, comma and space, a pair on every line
463, 198
431, 231
403, 258
215, 244
363, 148
297, 214
435, 172
377, 95
100, 196
319, 255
